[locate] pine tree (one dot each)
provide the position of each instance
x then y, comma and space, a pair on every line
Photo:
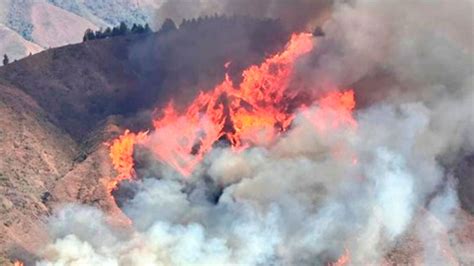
99, 34
123, 28
6, 60
134, 28
168, 25
115, 31
147, 28
88, 35
138, 29
107, 33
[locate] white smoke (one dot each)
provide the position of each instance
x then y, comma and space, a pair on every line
293, 202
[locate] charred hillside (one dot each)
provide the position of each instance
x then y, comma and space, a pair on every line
80, 85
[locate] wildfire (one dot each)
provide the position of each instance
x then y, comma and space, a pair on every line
121, 154
18, 263
335, 110
343, 260
253, 112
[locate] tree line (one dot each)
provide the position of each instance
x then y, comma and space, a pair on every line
169, 25
119, 30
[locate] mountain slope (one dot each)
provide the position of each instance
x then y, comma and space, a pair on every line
80, 85
53, 23
54, 26
34, 155
15, 45
58, 107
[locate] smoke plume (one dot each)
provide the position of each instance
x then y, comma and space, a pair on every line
310, 197
295, 15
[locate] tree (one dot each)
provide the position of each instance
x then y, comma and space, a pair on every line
137, 29
134, 28
6, 60
88, 35
115, 31
99, 34
107, 33
318, 32
147, 28
168, 25
123, 28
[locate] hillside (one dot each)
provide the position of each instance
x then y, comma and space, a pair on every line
35, 154
14, 45
58, 107
53, 23
80, 85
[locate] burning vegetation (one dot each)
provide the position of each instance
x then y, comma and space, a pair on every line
335, 150
256, 111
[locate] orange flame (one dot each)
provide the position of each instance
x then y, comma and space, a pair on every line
345, 259
335, 110
121, 154
254, 112
18, 263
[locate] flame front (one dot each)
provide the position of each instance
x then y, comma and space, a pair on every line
343, 260
18, 263
252, 113
121, 155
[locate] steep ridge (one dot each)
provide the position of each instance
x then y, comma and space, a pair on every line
58, 107
53, 23
34, 155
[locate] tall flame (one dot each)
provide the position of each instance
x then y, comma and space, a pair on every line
343, 260
121, 154
254, 112
18, 263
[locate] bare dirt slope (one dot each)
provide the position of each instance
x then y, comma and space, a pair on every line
34, 154
42, 168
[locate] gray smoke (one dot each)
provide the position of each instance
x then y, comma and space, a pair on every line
295, 14
292, 202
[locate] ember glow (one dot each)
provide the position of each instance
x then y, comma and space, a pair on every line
253, 113
18, 263
343, 260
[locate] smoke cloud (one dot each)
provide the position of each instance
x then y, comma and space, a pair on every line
292, 202
296, 15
